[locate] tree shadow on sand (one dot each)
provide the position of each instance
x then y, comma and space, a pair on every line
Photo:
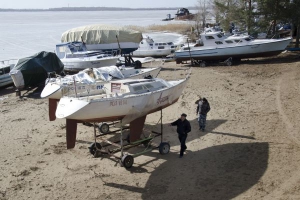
217, 172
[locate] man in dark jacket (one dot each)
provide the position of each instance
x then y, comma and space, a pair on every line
203, 109
183, 128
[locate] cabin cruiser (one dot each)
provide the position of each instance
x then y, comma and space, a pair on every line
184, 14
123, 100
76, 57
91, 81
5, 68
103, 37
149, 48
215, 46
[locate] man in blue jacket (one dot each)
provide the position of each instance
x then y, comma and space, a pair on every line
183, 128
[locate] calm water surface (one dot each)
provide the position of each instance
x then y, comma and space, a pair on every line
25, 33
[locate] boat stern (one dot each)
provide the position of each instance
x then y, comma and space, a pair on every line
68, 107
51, 90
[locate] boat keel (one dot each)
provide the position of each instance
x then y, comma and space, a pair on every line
71, 133
52, 109
136, 128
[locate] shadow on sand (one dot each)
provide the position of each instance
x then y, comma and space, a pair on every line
217, 172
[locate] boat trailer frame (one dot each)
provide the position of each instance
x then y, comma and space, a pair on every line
125, 159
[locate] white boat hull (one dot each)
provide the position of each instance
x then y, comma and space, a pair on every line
84, 109
56, 91
153, 53
76, 65
251, 50
5, 80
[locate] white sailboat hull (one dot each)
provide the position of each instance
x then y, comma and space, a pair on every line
57, 91
119, 107
77, 64
254, 49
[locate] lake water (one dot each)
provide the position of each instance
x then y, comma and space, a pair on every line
26, 33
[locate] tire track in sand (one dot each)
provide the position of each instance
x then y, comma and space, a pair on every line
294, 178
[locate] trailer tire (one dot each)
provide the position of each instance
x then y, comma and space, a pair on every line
93, 148
164, 148
137, 64
103, 128
127, 161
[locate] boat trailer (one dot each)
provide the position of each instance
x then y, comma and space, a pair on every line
202, 63
98, 149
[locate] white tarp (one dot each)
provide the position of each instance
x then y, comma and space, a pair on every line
101, 34
102, 72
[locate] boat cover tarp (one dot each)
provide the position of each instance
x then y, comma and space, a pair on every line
35, 68
101, 34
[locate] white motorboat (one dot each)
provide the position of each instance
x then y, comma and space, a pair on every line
217, 47
5, 68
91, 81
102, 37
149, 48
124, 100
76, 57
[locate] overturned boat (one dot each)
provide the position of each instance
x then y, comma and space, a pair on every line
91, 81
215, 46
76, 57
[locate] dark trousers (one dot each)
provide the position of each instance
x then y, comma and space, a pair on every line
182, 139
202, 121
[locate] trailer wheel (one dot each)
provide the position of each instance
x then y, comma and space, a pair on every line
93, 148
228, 63
104, 128
203, 64
127, 161
137, 64
164, 148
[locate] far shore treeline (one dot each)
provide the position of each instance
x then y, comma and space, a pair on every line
89, 9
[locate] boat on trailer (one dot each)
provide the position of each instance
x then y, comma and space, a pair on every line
216, 47
76, 57
149, 48
91, 81
128, 101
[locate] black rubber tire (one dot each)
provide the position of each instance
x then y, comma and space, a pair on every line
164, 148
127, 161
203, 64
104, 128
92, 148
137, 64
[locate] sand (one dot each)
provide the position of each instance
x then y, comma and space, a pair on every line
249, 151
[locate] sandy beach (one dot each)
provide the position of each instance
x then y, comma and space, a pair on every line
251, 149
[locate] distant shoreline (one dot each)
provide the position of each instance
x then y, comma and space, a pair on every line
88, 9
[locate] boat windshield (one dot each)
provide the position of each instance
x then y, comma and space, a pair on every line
77, 47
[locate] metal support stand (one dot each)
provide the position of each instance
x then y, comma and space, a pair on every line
127, 160
18, 93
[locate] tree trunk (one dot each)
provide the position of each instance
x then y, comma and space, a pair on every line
298, 35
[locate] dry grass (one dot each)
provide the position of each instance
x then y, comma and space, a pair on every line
176, 28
